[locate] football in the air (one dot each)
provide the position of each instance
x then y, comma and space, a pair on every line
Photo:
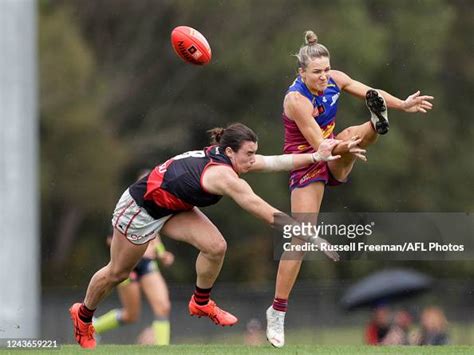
191, 45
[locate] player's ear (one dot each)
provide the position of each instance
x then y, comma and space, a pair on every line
228, 151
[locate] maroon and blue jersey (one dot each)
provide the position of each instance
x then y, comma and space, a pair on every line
324, 113
325, 108
175, 185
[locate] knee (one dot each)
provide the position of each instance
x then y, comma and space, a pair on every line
217, 248
220, 247
163, 309
129, 317
348, 133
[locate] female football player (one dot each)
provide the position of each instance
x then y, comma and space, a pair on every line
309, 113
168, 200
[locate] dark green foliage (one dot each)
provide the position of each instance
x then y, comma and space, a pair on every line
115, 98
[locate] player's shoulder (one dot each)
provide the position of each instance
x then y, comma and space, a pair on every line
341, 78
219, 179
223, 171
296, 99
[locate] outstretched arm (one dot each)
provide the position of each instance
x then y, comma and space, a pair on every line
223, 181
413, 103
285, 162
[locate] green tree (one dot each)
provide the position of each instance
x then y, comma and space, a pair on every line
80, 157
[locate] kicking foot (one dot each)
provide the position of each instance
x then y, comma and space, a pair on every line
217, 315
276, 327
83, 332
378, 111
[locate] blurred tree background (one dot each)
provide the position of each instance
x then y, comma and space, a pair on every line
115, 98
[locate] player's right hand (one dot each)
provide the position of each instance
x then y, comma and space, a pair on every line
352, 146
324, 246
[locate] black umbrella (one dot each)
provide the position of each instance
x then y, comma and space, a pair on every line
387, 286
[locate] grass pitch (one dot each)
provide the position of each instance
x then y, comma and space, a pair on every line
242, 349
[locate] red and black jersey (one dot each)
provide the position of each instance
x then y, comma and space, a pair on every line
175, 185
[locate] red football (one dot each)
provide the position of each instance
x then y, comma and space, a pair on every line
191, 45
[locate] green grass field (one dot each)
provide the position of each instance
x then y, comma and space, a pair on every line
241, 349
316, 341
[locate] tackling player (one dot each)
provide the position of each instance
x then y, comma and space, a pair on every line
168, 199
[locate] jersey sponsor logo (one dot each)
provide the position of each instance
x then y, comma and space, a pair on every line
334, 98
135, 237
309, 175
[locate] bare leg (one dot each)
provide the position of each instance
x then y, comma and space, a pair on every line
123, 258
303, 200
131, 303
342, 167
196, 229
156, 291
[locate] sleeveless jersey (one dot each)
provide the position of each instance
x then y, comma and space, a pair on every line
175, 185
324, 113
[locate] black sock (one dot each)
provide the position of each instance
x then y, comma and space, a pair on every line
201, 295
85, 314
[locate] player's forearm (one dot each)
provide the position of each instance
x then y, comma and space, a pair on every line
302, 160
256, 206
392, 101
314, 138
283, 162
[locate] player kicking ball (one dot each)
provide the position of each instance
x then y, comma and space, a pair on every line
309, 115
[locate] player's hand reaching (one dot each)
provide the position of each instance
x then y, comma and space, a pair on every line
417, 103
351, 146
324, 246
324, 152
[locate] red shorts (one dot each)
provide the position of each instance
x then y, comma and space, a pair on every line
312, 173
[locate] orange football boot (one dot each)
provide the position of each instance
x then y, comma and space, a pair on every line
217, 315
83, 332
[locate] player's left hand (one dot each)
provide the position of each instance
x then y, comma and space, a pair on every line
417, 103
167, 258
324, 152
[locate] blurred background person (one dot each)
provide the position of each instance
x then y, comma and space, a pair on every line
254, 334
433, 328
398, 333
145, 276
378, 326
